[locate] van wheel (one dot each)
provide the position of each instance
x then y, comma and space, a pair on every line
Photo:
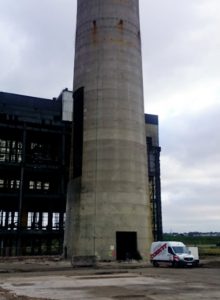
196, 264
155, 264
174, 264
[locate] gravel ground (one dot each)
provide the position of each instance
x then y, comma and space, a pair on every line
31, 279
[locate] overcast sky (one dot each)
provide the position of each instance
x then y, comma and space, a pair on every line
181, 65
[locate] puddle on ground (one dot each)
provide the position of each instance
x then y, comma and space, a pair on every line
22, 284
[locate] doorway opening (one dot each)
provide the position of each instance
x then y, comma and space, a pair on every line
126, 246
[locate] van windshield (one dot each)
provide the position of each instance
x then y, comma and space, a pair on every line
180, 250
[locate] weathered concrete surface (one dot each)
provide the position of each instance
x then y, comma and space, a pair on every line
119, 282
114, 189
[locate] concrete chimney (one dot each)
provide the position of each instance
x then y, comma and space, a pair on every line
108, 209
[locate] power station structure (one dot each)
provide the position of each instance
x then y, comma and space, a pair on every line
35, 139
85, 163
109, 213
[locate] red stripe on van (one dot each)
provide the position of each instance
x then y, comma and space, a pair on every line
158, 251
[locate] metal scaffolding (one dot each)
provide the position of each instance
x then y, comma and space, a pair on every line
153, 156
34, 162
35, 142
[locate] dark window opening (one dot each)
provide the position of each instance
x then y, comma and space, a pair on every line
78, 132
10, 151
126, 246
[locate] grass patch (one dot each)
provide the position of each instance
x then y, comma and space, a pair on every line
208, 245
209, 251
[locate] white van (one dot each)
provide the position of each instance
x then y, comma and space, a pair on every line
175, 253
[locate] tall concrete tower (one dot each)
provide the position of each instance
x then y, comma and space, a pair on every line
108, 209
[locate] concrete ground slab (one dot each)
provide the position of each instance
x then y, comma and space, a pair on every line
111, 281
101, 287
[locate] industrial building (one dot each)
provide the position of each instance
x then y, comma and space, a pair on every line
109, 199
34, 163
35, 143
153, 157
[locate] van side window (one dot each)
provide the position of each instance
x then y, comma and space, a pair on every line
170, 250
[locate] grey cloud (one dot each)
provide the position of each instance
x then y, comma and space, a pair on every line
180, 61
44, 41
190, 163
193, 138
180, 46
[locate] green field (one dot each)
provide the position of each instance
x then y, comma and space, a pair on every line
208, 245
